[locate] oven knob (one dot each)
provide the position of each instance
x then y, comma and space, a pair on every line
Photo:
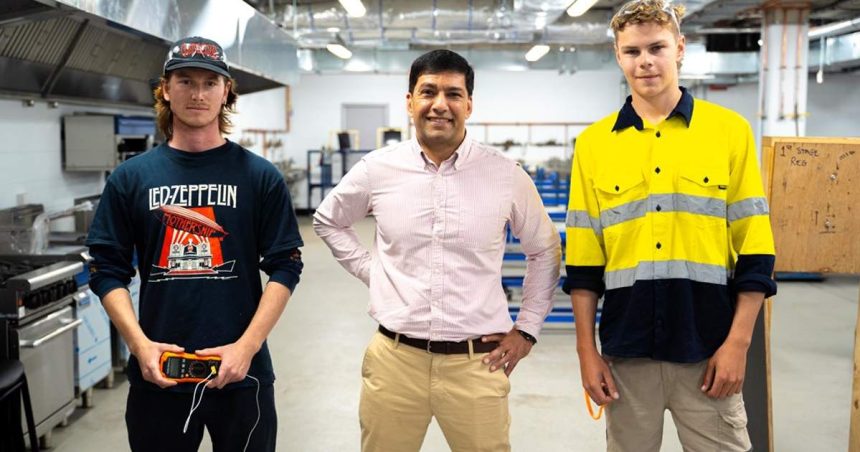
31, 301
62, 290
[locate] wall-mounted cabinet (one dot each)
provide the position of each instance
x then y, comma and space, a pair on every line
101, 142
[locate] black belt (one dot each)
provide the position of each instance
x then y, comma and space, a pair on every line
443, 347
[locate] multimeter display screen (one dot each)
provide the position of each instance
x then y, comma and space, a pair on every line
172, 367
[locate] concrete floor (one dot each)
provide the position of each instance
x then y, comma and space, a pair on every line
318, 345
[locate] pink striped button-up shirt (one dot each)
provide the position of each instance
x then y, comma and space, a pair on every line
435, 268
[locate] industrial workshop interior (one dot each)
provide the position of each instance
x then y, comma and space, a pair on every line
396, 225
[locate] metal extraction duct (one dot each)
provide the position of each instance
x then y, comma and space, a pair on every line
112, 50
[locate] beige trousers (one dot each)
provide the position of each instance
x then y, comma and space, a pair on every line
403, 387
634, 423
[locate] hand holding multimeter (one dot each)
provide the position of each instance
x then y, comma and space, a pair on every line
191, 368
188, 367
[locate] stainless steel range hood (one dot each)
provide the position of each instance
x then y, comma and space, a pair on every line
112, 50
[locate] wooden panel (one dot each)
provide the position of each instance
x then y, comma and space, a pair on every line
814, 202
810, 183
854, 435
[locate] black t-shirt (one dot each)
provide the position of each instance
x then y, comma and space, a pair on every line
203, 226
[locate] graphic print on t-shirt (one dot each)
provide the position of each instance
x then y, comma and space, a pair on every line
191, 247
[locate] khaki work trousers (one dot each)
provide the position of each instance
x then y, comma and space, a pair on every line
403, 387
634, 423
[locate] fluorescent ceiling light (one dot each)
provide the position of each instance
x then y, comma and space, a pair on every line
333, 30
579, 7
353, 7
537, 52
357, 65
339, 51
832, 28
540, 20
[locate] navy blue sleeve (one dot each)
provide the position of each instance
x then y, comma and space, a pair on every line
584, 277
284, 267
279, 237
111, 242
753, 274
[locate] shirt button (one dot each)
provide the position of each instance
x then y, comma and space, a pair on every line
659, 245
706, 179
657, 170
617, 188
658, 134
659, 208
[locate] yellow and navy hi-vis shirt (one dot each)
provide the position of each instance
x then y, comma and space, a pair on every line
672, 222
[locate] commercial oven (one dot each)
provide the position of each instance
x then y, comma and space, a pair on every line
37, 324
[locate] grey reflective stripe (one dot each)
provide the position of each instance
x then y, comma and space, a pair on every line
678, 269
581, 219
747, 208
673, 202
701, 205
624, 212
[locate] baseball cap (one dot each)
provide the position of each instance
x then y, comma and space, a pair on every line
199, 53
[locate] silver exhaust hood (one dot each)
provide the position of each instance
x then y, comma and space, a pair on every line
112, 50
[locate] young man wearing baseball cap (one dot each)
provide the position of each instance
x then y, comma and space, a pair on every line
668, 221
203, 216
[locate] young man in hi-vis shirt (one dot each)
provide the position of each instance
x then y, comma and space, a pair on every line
668, 221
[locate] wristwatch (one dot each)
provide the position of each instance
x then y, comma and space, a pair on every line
528, 337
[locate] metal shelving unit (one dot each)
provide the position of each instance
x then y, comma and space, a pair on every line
325, 168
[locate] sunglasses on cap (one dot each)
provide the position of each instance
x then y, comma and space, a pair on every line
204, 49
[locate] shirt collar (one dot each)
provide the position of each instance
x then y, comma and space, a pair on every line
457, 158
628, 117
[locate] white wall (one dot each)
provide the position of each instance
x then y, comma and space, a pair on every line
833, 106
264, 110
31, 157
546, 96
317, 101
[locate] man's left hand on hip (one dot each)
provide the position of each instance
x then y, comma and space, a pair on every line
512, 348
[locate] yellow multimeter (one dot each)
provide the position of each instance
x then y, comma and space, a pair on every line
188, 367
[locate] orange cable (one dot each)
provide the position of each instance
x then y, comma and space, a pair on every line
590, 409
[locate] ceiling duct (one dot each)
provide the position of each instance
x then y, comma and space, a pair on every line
400, 23
113, 50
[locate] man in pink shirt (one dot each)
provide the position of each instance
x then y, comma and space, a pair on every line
446, 344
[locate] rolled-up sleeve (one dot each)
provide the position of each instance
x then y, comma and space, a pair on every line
585, 254
279, 238
749, 220
347, 203
541, 244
